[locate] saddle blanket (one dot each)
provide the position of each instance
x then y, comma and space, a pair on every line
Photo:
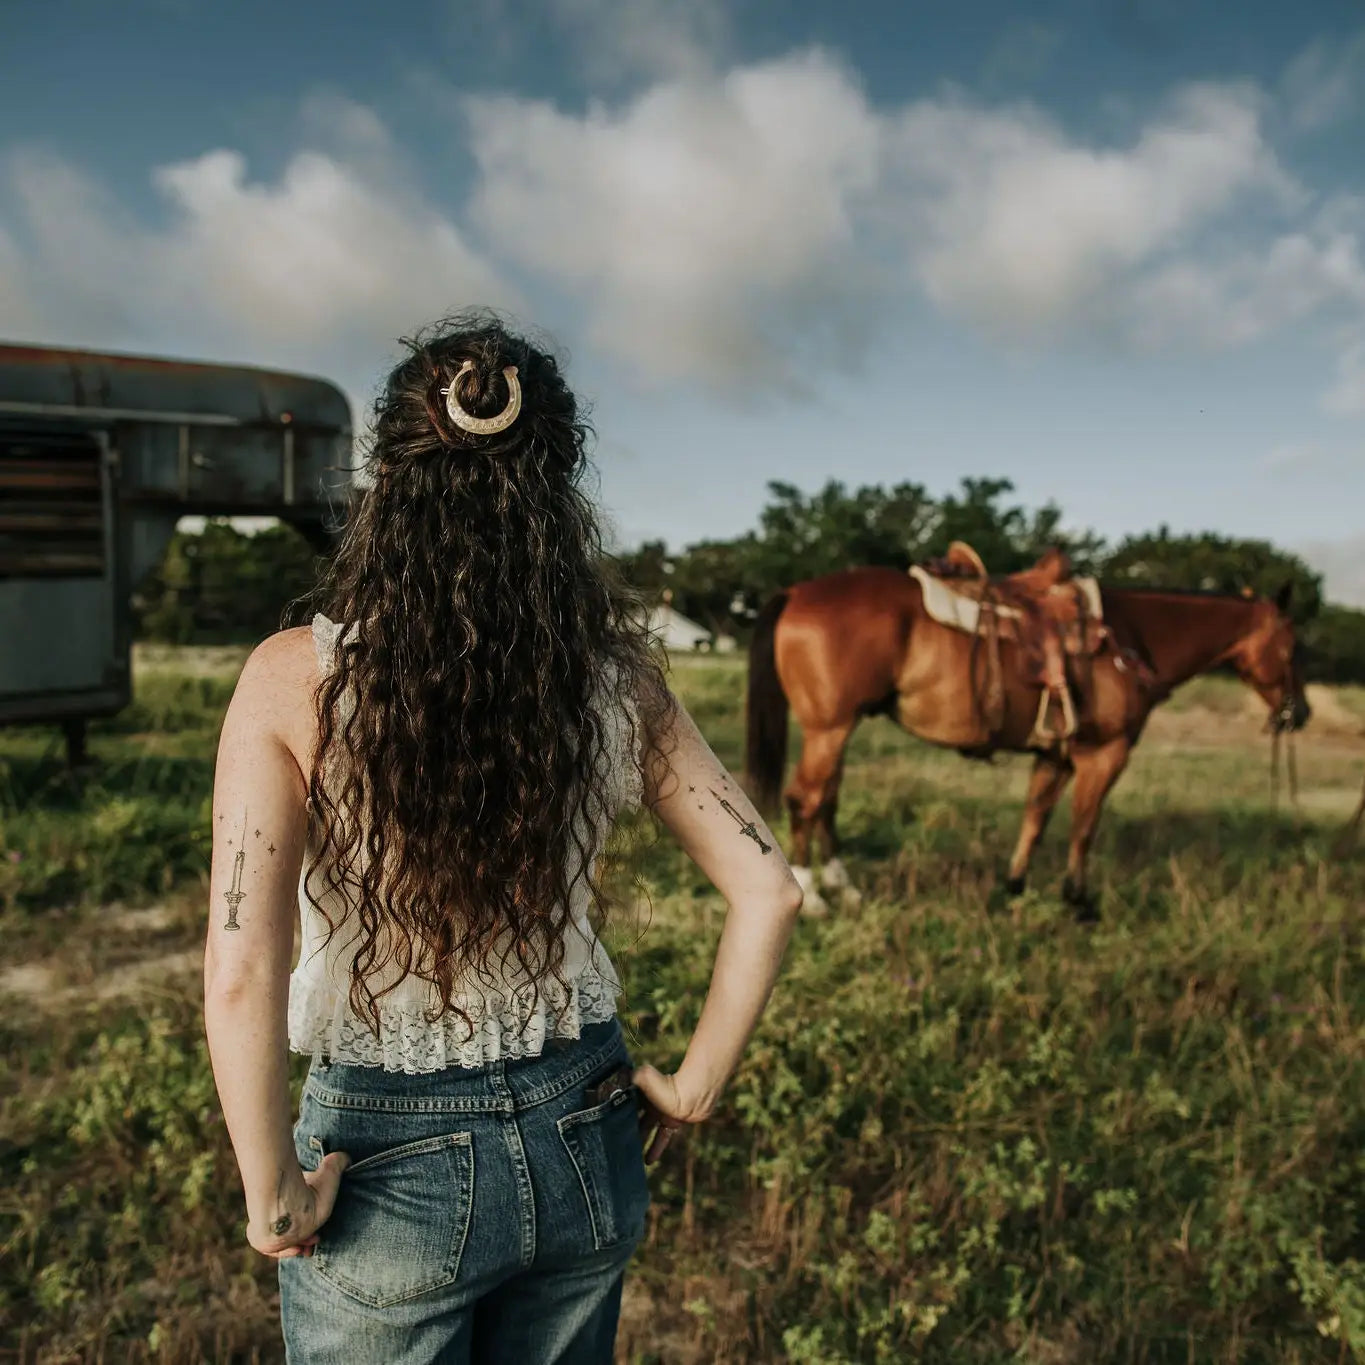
952, 607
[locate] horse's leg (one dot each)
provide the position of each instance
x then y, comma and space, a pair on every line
812, 796
1097, 770
833, 874
797, 822
1049, 778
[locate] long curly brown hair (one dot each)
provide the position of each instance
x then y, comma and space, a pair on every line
469, 775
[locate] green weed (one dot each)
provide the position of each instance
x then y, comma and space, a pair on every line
958, 1135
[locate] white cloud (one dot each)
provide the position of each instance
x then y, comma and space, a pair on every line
321, 267
703, 224
722, 228
1347, 394
732, 229
1020, 229
713, 226
1322, 460
1323, 82
618, 39
315, 253
1239, 299
18, 314
1291, 457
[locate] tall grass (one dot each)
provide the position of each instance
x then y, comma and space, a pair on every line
961, 1134
137, 824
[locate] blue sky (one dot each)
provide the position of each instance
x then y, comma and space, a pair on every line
1113, 251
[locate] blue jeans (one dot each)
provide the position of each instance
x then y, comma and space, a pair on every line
488, 1215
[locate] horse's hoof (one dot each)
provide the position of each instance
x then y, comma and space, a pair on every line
834, 876
1085, 904
835, 881
815, 906
1005, 890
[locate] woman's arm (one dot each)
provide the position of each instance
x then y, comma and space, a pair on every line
259, 825
708, 813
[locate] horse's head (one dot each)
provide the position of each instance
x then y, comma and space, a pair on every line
1266, 658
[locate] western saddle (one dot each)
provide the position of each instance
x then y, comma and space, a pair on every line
1047, 612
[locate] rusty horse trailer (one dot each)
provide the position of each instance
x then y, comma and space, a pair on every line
100, 456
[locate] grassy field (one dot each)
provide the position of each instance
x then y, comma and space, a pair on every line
961, 1135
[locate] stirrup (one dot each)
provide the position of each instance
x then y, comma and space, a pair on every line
1043, 733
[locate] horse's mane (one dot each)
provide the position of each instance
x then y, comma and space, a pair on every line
1221, 594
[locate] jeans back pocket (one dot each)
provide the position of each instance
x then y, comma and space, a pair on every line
400, 1222
604, 1145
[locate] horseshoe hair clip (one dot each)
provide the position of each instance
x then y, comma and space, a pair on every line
484, 426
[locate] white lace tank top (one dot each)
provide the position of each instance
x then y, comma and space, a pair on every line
511, 1016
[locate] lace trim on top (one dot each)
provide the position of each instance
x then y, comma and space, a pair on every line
507, 1022
321, 1022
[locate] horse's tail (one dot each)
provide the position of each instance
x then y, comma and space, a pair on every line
765, 753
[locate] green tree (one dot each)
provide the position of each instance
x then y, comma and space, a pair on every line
647, 568
219, 585
1215, 563
804, 536
1006, 538
163, 604
1334, 646
714, 578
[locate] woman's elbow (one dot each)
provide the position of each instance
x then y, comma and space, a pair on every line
226, 991
230, 986
790, 898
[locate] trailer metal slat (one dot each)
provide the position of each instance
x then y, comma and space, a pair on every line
100, 454
52, 518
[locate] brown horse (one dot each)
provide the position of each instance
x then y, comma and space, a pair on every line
860, 643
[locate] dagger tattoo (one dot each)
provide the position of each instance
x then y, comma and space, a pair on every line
234, 895
746, 827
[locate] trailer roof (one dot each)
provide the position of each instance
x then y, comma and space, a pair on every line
38, 380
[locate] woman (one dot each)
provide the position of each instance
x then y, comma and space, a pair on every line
427, 777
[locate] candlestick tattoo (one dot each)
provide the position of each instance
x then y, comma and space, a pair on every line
746, 827
234, 894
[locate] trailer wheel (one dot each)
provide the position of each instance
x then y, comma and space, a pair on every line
77, 755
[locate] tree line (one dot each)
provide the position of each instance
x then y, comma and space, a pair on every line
223, 586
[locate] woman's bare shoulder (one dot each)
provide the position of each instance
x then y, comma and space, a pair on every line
277, 687
287, 657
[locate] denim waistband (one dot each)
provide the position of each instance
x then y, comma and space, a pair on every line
500, 1087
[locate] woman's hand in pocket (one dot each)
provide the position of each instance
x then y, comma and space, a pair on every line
289, 1225
666, 1106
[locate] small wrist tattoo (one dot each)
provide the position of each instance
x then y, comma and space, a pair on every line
282, 1225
